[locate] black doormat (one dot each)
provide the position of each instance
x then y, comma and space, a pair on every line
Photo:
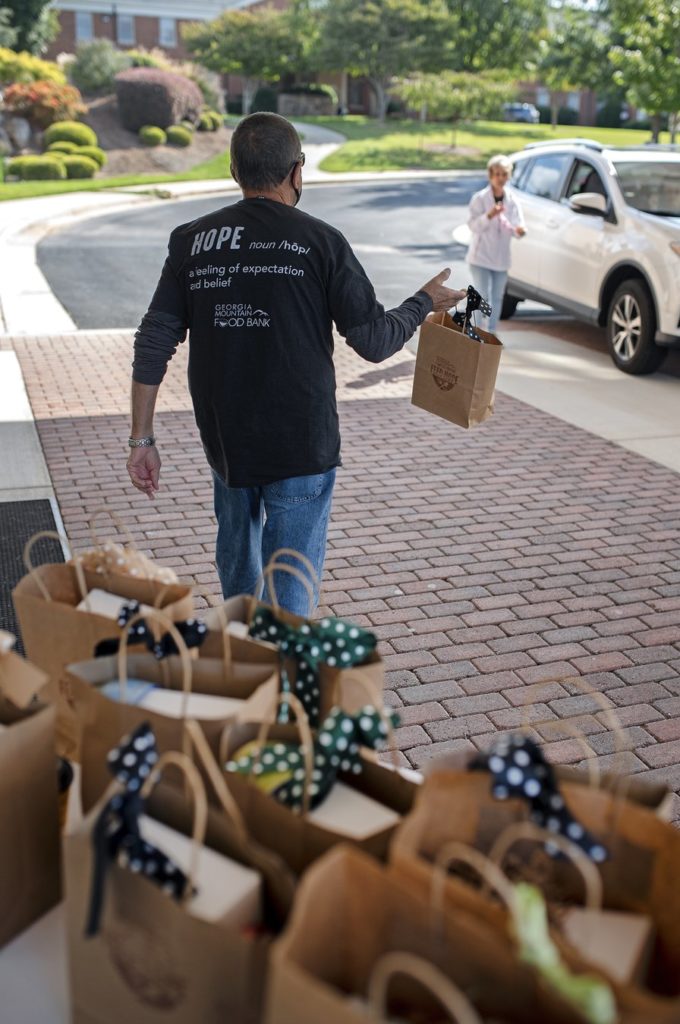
19, 520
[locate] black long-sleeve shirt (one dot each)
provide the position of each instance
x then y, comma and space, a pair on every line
259, 286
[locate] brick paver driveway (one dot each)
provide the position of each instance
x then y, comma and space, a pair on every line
495, 565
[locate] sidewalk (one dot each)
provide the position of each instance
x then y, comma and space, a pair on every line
495, 565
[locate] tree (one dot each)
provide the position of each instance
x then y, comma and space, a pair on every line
8, 34
259, 45
494, 34
36, 25
456, 95
383, 39
571, 54
648, 60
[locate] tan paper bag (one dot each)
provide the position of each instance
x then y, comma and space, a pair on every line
151, 959
55, 633
30, 881
350, 911
455, 376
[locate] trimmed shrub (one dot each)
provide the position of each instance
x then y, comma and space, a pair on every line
189, 125
210, 121
314, 89
42, 103
96, 65
36, 168
151, 96
25, 68
265, 99
152, 136
178, 136
79, 166
62, 147
94, 152
70, 131
148, 59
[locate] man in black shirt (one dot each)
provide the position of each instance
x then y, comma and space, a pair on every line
259, 285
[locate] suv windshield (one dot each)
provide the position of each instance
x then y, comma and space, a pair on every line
651, 187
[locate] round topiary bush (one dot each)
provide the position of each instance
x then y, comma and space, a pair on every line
189, 125
70, 131
178, 136
79, 166
94, 152
205, 122
152, 96
62, 147
150, 135
36, 168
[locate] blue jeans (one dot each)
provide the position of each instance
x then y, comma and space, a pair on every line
491, 286
254, 522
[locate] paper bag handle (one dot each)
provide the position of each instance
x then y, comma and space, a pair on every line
486, 868
28, 548
306, 744
267, 576
292, 553
118, 522
592, 762
200, 824
526, 830
226, 639
212, 770
184, 655
457, 1005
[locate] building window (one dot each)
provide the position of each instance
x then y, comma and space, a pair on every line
167, 32
125, 29
84, 27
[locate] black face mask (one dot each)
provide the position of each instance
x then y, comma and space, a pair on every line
297, 191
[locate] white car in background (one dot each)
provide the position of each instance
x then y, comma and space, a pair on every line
602, 242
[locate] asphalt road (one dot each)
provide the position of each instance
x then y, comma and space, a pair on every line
104, 271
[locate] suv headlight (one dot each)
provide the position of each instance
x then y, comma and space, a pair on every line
675, 246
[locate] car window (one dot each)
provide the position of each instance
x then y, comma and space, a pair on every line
584, 178
519, 173
652, 187
545, 175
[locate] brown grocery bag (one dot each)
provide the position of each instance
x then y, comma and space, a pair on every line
644, 858
55, 633
293, 835
455, 376
336, 685
30, 881
151, 958
351, 911
100, 721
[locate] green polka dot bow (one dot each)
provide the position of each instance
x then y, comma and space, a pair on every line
331, 642
279, 768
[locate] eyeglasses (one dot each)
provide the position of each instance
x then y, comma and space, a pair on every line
300, 160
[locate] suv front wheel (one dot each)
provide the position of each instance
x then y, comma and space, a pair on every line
631, 326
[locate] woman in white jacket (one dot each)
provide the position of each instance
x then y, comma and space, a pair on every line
495, 217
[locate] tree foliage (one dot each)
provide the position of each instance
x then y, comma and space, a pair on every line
572, 53
456, 95
260, 45
8, 33
494, 34
34, 23
648, 60
383, 39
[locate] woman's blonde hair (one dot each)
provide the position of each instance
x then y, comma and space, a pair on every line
500, 161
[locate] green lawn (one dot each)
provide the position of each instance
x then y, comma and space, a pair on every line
405, 145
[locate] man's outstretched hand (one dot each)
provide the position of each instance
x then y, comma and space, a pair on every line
144, 467
443, 298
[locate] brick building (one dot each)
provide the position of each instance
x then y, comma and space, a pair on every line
131, 23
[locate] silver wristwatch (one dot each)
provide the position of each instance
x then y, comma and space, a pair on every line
141, 442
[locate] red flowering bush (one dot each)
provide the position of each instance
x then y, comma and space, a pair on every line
149, 96
42, 103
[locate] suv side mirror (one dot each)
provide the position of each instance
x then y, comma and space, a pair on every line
589, 202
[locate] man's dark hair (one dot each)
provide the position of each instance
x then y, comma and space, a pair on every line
264, 148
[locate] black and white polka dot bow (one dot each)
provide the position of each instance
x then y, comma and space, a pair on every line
336, 749
329, 641
519, 769
193, 632
116, 836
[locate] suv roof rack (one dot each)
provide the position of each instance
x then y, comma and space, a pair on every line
588, 143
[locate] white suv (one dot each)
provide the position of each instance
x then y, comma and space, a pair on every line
602, 242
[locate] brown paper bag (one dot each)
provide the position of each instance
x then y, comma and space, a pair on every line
151, 958
100, 721
30, 881
644, 857
455, 376
55, 633
350, 911
294, 836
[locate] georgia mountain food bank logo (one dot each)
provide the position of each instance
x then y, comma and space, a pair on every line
444, 374
238, 314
